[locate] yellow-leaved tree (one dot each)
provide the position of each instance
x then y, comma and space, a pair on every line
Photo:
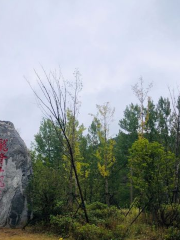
105, 151
74, 132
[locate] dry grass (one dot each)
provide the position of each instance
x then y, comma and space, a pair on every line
18, 234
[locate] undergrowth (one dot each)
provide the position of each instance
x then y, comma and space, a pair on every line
107, 223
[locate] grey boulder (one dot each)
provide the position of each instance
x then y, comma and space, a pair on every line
15, 172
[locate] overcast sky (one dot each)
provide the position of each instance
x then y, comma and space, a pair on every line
112, 43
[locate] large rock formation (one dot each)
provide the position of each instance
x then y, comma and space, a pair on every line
15, 171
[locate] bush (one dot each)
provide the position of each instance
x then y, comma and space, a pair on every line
103, 224
62, 224
101, 211
120, 231
169, 215
97, 206
92, 232
45, 192
172, 234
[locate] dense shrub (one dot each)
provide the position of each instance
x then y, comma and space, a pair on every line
45, 192
97, 206
63, 224
169, 215
103, 223
172, 234
93, 232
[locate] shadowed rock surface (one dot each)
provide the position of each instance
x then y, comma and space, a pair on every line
15, 171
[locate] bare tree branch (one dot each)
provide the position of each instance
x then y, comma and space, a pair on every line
53, 104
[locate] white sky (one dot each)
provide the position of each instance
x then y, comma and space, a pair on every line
112, 43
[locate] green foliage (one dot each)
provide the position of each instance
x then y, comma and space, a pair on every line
103, 223
152, 173
97, 205
47, 145
130, 122
45, 191
106, 213
150, 128
169, 215
91, 231
62, 224
172, 234
106, 167
164, 123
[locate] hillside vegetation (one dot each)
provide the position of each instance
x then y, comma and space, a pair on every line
90, 185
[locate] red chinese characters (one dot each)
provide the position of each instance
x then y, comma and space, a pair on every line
2, 157
3, 151
3, 145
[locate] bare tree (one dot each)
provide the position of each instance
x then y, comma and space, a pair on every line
55, 97
141, 93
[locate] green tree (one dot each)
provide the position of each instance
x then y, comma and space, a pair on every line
175, 140
95, 188
153, 175
150, 127
46, 191
128, 134
164, 122
47, 145
130, 123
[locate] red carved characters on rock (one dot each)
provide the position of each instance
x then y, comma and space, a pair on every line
3, 151
2, 157
3, 145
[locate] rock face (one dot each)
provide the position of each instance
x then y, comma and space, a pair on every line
15, 171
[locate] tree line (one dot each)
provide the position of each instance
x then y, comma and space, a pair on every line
138, 167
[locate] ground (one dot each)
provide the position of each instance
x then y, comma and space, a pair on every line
18, 234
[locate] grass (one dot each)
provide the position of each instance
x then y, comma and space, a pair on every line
18, 234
